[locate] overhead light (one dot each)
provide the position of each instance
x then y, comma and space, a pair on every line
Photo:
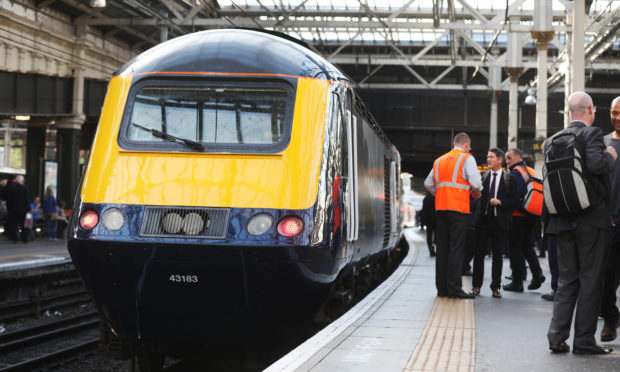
97, 3
22, 117
531, 97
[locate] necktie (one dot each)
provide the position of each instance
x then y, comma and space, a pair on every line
492, 191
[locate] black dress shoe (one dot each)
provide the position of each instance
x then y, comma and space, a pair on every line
559, 348
548, 296
462, 294
592, 350
536, 282
513, 287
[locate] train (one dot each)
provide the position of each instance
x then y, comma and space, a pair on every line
237, 185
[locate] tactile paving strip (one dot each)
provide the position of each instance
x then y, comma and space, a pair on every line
448, 340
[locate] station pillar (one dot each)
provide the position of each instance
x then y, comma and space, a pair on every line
542, 42
514, 71
35, 157
495, 76
68, 157
577, 59
513, 106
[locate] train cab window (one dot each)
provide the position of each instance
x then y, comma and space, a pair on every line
198, 117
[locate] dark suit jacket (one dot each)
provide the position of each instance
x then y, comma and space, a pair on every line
508, 197
598, 165
17, 199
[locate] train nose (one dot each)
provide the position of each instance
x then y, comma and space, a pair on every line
192, 298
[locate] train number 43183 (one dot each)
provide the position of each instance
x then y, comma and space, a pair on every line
183, 278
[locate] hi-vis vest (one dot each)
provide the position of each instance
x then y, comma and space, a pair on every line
452, 189
526, 177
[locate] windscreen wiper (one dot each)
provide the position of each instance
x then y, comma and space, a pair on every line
170, 137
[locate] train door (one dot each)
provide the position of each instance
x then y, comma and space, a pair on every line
393, 198
352, 213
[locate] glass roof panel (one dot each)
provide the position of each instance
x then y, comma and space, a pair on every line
417, 12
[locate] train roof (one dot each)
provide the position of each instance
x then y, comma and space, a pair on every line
239, 51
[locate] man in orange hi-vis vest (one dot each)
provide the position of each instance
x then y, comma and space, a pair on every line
454, 176
521, 235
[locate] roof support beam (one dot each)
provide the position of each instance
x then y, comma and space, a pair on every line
99, 15
441, 76
172, 8
473, 11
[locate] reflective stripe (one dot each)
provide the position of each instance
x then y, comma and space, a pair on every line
436, 171
457, 167
524, 172
455, 185
455, 173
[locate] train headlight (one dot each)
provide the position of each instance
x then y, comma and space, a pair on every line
290, 226
259, 224
172, 223
89, 219
113, 219
193, 224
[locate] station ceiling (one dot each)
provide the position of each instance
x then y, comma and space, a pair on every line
385, 44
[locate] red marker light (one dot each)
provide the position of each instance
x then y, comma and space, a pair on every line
290, 226
89, 219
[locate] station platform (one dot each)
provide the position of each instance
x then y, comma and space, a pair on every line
403, 326
39, 252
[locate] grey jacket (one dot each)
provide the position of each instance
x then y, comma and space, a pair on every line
598, 165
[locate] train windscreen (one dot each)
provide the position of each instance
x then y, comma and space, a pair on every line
208, 117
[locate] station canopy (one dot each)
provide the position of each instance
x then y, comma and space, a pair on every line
439, 44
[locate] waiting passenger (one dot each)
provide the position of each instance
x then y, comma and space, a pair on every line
522, 245
51, 213
609, 310
582, 240
17, 205
498, 201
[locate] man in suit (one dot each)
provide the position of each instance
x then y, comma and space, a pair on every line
583, 241
609, 310
454, 176
522, 243
497, 203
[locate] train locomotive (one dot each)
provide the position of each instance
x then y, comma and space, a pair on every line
236, 185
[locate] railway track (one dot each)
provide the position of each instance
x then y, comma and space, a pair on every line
29, 307
46, 344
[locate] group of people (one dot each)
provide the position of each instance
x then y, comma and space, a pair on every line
584, 249
22, 213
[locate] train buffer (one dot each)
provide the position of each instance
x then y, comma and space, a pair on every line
403, 326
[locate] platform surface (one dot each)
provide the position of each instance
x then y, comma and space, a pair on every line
39, 252
403, 326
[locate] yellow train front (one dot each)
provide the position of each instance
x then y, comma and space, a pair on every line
236, 182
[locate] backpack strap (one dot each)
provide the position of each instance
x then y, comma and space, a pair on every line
507, 179
524, 172
485, 175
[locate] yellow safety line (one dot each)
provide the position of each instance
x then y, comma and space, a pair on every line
448, 340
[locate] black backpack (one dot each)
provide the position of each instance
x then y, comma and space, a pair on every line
568, 191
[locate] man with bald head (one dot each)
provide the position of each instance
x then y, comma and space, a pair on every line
583, 241
609, 310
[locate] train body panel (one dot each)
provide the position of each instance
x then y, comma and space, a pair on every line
185, 234
251, 180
